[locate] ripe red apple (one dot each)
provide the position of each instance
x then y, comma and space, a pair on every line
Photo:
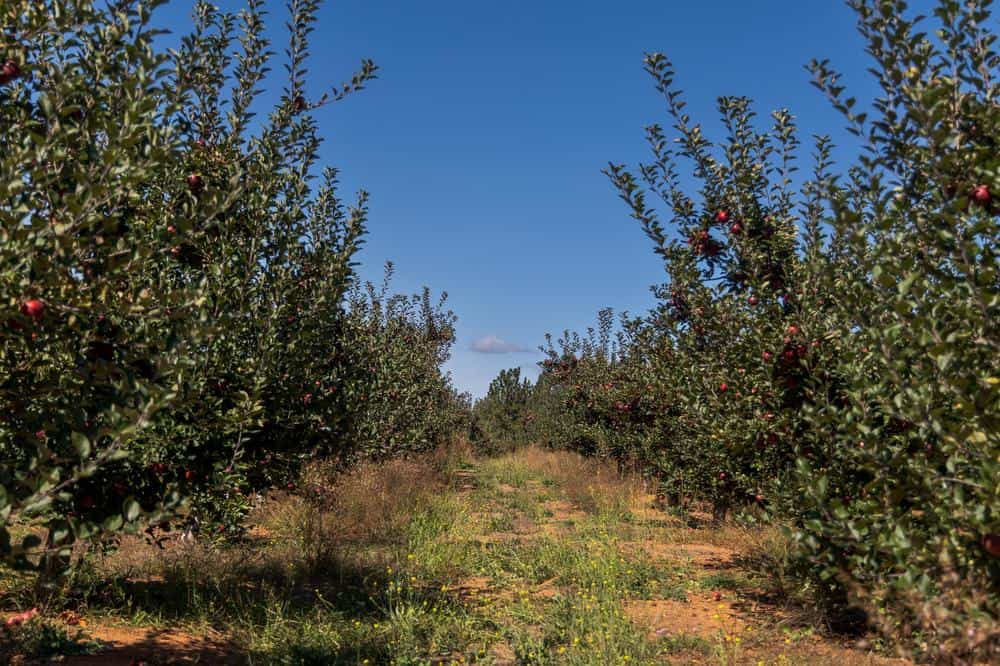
10, 71
723, 387
736, 229
717, 596
307, 398
767, 356
190, 475
722, 216
171, 229
991, 544
722, 476
752, 300
40, 434
195, 183
793, 330
33, 308
981, 195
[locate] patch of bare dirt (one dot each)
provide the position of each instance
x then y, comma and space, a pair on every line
503, 655
699, 616
128, 646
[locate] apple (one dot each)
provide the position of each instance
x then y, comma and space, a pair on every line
717, 596
722, 476
722, 216
10, 71
736, 229
981, 195
171, 229
991, 544
752, 300
190, 475
33, 308
723, 387
767, 356
195, 183
793, 330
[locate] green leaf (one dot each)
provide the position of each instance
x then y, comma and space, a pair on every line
81, 443
131, 509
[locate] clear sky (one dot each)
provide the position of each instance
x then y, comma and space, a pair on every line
482, 141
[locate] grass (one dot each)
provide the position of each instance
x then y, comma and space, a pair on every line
532, 558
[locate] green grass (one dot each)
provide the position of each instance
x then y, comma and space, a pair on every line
451, 581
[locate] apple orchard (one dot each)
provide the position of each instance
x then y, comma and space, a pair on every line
182, 326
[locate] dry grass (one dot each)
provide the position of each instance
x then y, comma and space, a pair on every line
595, 486
372, 502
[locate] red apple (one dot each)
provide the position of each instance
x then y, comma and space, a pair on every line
190, 475
33, 308
793, 330
767, 356
736, 229
717, 596
722, 476
752, 300
723, 387
171, 229
195, 183
10, 71
722, 216
981, 195
307, 398
991, 544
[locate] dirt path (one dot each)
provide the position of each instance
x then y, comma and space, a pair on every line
534, 558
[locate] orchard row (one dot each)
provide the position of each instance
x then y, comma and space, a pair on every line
824, 351
181, 325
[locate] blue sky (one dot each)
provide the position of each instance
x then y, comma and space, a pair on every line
482, 141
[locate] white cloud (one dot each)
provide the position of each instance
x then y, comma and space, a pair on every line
491, 344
